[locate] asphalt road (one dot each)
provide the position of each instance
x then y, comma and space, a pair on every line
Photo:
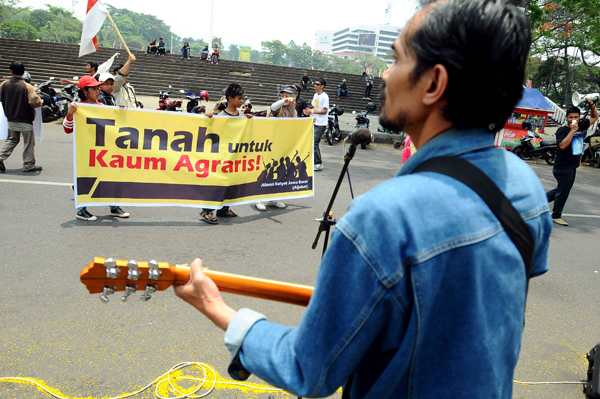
53, 331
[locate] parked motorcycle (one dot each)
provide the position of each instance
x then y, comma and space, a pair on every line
547, 150
165, 103
592, 153
70, 90
247, 108
193, 106
50, 109
362, 120
333, 131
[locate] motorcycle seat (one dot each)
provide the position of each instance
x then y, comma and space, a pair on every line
546, 143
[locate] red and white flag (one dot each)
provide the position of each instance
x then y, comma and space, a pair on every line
94, 18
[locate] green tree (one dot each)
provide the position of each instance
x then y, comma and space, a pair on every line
254, 56
366, 60
567, 30
17, 29
275, 52
300, 56
234, 52
7, 9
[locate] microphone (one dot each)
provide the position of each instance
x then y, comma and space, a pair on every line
359, 136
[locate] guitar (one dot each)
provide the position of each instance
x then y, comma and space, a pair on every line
107, 276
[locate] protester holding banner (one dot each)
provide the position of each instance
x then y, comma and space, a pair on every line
19, 101
123, 96
234, 93
283, 108
422, 290
89, 91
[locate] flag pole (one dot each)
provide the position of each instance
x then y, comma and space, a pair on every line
118, 33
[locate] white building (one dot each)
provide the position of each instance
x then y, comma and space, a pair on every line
324, 40
373, 39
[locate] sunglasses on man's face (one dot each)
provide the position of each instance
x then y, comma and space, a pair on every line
318, 84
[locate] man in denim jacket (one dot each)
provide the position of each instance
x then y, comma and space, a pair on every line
421, 293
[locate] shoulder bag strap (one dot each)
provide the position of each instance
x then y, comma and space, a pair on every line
475, 179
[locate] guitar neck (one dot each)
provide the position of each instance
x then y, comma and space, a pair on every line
250, 286
110, 275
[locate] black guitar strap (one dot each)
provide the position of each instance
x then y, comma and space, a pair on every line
475, 179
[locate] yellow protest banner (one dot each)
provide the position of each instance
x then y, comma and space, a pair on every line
156, 158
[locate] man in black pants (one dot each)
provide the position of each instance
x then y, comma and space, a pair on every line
570, 146
369, 79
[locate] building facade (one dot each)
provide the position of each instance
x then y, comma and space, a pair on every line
324, 41
372, 39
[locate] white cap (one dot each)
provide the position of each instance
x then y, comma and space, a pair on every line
105, 76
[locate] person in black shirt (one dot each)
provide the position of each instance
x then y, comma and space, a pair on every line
162, 49
301, 103
305, 82
570, 146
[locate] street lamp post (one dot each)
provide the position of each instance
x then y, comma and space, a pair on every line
210, 32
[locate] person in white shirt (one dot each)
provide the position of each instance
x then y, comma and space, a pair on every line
320, 103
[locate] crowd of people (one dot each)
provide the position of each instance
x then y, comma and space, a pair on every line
159, 49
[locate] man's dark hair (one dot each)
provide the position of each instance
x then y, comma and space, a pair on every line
234, 90
117, 69
364, 74
526, 125
483, 44
94, 65
573, 110
17, 67
161, 38
322, 81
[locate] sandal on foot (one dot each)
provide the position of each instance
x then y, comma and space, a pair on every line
208, 217
228, 214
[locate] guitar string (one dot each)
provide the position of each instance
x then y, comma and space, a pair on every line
168, 379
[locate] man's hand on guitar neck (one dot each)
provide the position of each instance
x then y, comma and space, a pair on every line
202, 293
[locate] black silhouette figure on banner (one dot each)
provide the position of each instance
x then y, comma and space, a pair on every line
270, 174
291, 169
281, 172
263, 175
301, 166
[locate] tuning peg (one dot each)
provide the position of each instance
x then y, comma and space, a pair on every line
153, 272
129, 289
106, 292
133, 273
112, 271
146, 295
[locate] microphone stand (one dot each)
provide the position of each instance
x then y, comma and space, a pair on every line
327, 220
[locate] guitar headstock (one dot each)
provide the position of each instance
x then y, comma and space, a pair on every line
107, 276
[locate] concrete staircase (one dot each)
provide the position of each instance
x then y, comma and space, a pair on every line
149, 73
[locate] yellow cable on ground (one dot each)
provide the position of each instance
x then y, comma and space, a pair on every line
164, 378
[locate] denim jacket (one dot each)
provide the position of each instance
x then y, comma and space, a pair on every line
421, 294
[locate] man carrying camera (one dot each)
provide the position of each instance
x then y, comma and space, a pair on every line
570, 147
